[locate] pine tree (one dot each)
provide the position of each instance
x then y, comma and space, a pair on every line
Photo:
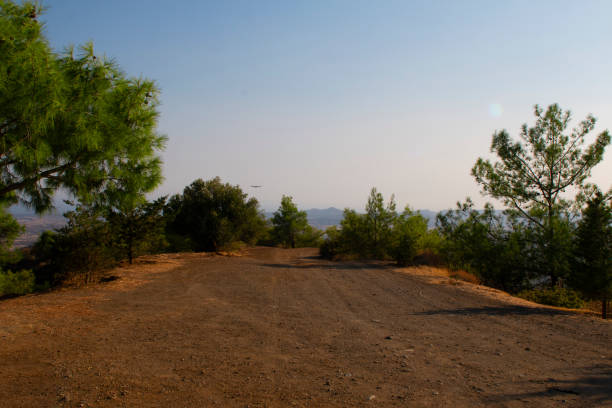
71, 121
289, 223
592, 272
533, 174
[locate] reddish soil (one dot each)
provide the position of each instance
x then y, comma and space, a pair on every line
280, 328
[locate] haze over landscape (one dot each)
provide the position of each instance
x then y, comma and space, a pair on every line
233, 177
324, 100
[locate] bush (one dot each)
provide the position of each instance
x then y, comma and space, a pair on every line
213, 215
16, 283
330, 247
138, 230
409, 235
486, 244
557, 296
405, 250
77, 250
381, 233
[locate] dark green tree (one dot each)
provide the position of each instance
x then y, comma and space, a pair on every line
288, 223
78, 250
71, 121
379, 233
532, 175
496, 248
214, 215
138, 229
9, 230
592, 269
352, 237
14, 280
379, 220
410, 231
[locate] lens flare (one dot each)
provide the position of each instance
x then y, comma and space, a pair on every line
495, 110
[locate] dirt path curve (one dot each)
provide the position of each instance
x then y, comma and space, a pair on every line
280, 328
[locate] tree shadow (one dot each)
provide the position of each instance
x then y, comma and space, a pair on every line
497, 311
594, 390
307, 263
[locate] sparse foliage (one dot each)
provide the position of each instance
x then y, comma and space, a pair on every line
533, 174
494, 248
140, 229
380, 233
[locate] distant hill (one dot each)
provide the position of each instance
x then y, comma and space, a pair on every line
323, 218
35, 225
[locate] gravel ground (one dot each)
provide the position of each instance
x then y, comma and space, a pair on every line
281, 328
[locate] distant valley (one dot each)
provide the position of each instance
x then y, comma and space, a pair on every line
323, 218
35, 224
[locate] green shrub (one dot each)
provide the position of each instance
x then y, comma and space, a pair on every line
405, 250
213, 215
496, 248
16, 283
77, 250
561, 297
330, 247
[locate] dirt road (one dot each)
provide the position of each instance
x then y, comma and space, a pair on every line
280, 328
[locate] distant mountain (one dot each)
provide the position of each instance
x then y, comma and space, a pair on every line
323, 218
59, 208
430, 215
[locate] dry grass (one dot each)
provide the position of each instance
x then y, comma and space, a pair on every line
464, 276
440, 272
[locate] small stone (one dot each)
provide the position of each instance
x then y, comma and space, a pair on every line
371, 397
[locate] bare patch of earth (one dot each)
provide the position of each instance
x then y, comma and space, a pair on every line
279, 328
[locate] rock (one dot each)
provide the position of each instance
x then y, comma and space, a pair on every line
371, 397
64, 397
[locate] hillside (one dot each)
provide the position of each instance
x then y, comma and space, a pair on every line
35, 225
279, 328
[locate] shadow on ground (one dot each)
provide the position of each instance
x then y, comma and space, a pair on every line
595, 389
333, 266
496, 311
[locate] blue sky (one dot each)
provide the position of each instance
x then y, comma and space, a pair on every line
323, 100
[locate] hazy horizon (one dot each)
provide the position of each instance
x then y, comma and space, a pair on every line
325, 100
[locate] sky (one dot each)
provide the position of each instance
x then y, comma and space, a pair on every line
323, 100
